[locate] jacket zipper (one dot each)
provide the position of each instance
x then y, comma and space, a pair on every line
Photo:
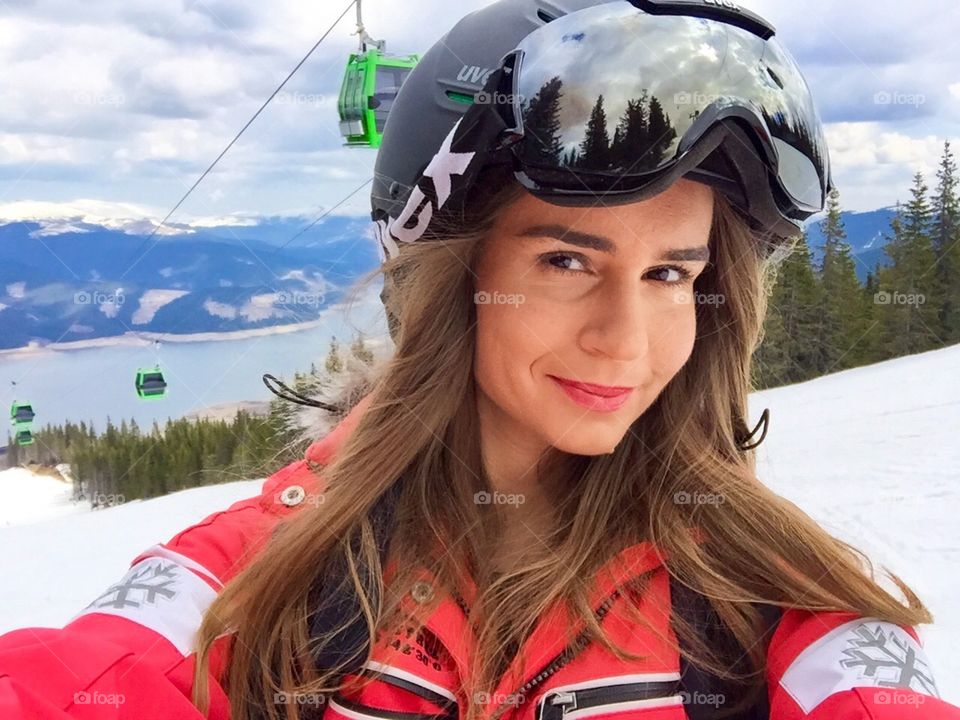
555, 704
564, 657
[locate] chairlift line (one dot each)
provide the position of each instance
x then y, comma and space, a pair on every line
235, 138
324, 214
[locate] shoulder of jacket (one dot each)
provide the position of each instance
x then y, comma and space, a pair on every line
220, 545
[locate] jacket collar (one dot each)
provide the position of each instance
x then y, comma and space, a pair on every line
451, 626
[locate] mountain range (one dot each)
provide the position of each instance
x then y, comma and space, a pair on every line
64, 280
71, 281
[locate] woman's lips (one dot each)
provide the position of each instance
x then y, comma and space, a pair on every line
594, 397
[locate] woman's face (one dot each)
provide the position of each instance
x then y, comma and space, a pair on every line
600, 295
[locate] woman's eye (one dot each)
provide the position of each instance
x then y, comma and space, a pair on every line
681, 274
558, 262
562, 262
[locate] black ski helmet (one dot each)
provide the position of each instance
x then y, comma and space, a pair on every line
423, 125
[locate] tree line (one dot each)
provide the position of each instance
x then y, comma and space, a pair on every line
821, 319
126, 462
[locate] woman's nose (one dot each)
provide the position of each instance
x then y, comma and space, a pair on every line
620, 323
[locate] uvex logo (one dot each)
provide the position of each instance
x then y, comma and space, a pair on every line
474, 74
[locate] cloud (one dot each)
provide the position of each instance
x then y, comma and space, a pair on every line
128, 101
866, 155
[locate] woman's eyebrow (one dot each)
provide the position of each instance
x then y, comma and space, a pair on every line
602, 244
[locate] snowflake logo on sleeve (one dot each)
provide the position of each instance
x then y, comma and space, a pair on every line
142, 586
888, 658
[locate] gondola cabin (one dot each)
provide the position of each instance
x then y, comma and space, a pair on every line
370, 84
21, 413
150, 383
24, 437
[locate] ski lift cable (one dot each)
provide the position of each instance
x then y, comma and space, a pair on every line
324, 214
236, 137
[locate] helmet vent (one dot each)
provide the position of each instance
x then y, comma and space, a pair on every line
543, 16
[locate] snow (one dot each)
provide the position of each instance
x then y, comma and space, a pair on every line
53, 568
151, 301
131, 218
27, 498
870, 453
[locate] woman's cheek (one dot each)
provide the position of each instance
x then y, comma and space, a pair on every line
684, 335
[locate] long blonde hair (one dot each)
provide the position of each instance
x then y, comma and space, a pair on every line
421, 429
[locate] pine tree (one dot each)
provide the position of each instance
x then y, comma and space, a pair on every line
909, 317
13, 452
788, 353
595, 147
334, 363
771, 361
661, 134
872, 342
946, 245
541, 119
630, 140
841, 299
359, 350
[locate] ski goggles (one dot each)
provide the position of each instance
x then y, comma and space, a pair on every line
618, 100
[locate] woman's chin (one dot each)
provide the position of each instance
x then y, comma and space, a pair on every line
592, 441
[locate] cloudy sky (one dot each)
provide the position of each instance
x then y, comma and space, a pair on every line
114, 107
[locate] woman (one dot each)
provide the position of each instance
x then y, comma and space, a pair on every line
546, 506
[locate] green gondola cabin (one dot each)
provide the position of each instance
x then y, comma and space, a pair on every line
370, 85
150, 383
24, 437
21, 413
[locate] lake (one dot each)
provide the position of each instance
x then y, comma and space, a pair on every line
94, 383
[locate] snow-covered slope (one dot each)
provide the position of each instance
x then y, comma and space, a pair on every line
50, 570
26, 498
871, 453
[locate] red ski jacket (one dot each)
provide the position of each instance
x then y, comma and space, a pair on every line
128, 655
